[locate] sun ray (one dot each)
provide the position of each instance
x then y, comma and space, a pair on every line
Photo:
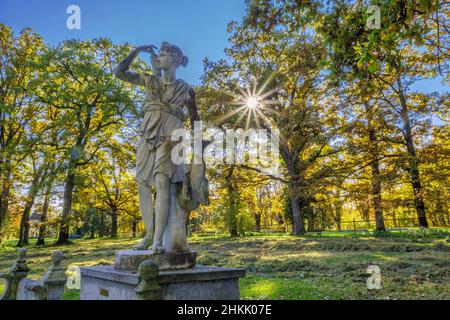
249, 92
247, 123
255, 85
266, 83
239, 119
263, 116
230, 114
268, 121
266, 94
263, 106
256, 118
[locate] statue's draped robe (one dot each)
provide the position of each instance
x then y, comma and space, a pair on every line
164, 112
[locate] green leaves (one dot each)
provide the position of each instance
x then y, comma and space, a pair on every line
373, 66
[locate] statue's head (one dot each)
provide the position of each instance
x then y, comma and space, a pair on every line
170, 55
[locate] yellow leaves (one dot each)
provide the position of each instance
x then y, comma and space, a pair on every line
39, 126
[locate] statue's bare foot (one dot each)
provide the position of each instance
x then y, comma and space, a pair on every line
144, 244
158, 248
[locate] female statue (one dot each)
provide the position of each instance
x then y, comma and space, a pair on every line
166, 97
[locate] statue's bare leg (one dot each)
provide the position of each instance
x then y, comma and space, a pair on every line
146, 206
162, 209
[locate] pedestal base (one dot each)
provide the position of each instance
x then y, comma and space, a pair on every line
197, 283
130, 260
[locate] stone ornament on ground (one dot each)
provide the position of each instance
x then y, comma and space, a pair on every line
49, 287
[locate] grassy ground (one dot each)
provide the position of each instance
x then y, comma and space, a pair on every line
414, 265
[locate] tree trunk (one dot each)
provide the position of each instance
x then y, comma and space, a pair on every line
440, 209
446, 214
338, 214
63, 237
231, 210
134, 227
364, 209
258, 222
338, 222
376, 196
42, 228
114, 224
311, 223
394, 217
419, 204
297, 216
232, 214
280, 220
375, 166
101, 232
4, 195
413, 162
24, 228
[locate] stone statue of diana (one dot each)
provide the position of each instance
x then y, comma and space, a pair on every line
179, 188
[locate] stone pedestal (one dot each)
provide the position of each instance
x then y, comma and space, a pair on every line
197, 283
130, 260
145, 275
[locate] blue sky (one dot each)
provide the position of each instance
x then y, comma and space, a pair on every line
198, 27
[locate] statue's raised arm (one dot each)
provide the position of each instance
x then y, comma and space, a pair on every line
123, 69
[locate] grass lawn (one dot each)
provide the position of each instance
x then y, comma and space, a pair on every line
414, 265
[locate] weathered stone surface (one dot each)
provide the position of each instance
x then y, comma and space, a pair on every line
16, 274
55, 278
31, 290
198, 283
49, 287
148, 288
130, 260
